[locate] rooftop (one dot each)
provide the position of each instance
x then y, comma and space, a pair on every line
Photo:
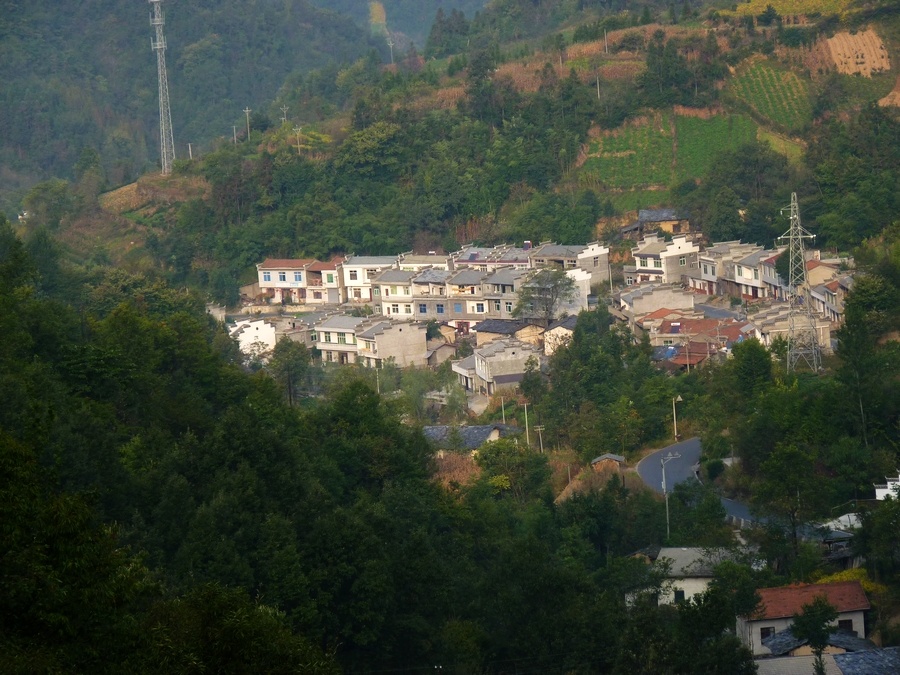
342, 321
467, 437
392, 276
432, 276
779, 603
387, 260
499, 326
873, 662
784, 642
285, 263
658, 215
467, 277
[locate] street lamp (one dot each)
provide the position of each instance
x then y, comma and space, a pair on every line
675, 400
662, 463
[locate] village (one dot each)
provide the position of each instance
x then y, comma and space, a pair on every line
691, 301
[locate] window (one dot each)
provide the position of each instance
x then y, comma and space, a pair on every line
357, 293
496, 305
679, 595
329, 278
298, 276
846, 624
597, 261
354, 275
317, 295
740, 271
342, 338
509, 306
282, 276
479, 308
395, 309
407, 309
682, 261
766, 631
267, 276
423, 309
371, 273
393, 290
376, 291
657, 263
457, 307
327, 337
439, 308
312, 337
756, 274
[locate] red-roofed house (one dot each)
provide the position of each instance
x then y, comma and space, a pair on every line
720, 332
284, 279
778, 606
323, 283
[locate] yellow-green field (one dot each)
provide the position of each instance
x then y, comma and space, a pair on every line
792, 7
793, 151
776, 94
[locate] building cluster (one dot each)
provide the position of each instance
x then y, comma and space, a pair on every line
374, 309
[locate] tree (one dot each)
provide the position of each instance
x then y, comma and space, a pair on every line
813, 624
289, 365
543, 293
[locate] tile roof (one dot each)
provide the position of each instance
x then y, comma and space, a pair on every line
467, 277
657, 215
285, 263
794, 665
470, 437
370, 260
342, 321
432, 276
783, 602
874, 662
396, 276
499, 326
784, 641
323, 266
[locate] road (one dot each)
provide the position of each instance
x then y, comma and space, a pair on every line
681, 470
677, 470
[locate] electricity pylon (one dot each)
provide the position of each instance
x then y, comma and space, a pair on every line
803, 336
166, 141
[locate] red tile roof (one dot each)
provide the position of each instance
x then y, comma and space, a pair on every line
319, 266
285, 263
779, 603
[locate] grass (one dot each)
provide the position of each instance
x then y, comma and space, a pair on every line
637, 155
634, 200
700, 140
780, 96
793, 151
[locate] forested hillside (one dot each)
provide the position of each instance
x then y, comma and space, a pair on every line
84, 76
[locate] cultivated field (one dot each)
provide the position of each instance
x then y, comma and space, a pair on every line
794, 7
652, 153
778, 95
894, 97
863, 53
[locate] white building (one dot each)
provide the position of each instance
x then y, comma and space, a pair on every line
357, 274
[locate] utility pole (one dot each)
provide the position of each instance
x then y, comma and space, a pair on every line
675, 400
527, 437
234, 134
297, 131
284, 110
503, 409
166, 140
190, 152
390, 43
662, 463
540, 429
247, 112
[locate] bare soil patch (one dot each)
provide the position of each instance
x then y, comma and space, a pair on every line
862, 53
894, 97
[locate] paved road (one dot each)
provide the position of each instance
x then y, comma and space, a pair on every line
681, 470
677, 470
713, 312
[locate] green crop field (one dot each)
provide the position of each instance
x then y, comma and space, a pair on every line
700, 140
636, 156
634, 200
790, 7
647, 155
778, 95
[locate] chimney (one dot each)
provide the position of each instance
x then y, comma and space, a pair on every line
527, 245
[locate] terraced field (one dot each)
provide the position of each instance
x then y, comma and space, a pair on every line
779, 96
793, 7
654, 153
700, 140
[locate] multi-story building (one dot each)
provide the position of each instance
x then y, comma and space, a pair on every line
666, 262
592, 258
465, 297
501, 291
417, 263
401, 343
323, 283
393, 293
501, 364
749, 280
429, 290
717, 268
357, 273
335, 338
486, 259
284, 279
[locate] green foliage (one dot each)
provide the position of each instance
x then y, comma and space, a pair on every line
780, 96
543, 294
813, 624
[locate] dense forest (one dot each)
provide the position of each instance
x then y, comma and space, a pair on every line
167, 508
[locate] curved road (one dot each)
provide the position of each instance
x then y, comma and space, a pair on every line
682, 469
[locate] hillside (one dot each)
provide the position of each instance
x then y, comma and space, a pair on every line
83, 76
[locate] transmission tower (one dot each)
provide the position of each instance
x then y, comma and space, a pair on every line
803, 337
166, 142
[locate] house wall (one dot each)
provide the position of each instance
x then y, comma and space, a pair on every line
750, 631
405, 344
691, 587
679, 249
556, 338
671, 298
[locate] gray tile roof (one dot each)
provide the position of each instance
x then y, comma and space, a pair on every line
432, 276
469, 437
784, 641
874, 662
794, 665
467, 277
395, 276
754, 258
506, 276
657, 215
342, 321
568, 322
557, 251
371, 260
500, 326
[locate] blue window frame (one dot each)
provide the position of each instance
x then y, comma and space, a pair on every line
267, 276
423, 308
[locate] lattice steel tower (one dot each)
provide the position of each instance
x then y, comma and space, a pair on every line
166, 142
803, 336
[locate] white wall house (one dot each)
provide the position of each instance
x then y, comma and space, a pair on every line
285, 279
501, 364
357, 274
255, 337
890, 488
778, 606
